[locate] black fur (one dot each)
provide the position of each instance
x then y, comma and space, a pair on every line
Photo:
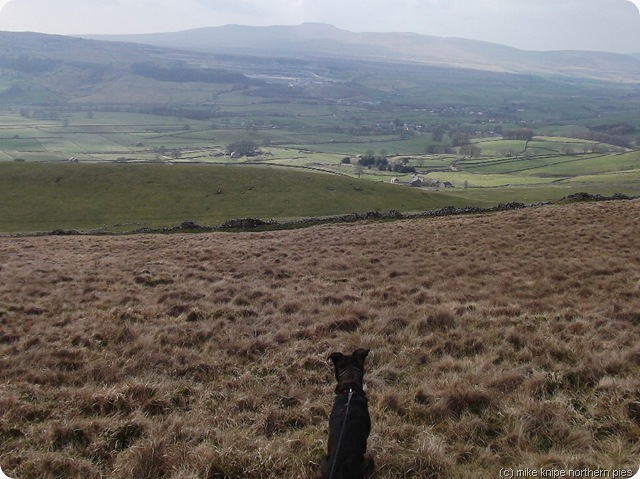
350, 420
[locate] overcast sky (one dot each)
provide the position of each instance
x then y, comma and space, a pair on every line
611, 25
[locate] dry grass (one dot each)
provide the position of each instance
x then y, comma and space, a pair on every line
503, 340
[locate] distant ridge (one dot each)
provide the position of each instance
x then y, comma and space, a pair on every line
315, 40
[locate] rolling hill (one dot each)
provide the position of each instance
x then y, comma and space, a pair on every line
181, 67
318, 61
312, 40
116, 197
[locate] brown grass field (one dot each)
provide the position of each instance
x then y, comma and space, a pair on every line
504, 340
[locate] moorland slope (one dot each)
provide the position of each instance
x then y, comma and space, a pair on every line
504, 340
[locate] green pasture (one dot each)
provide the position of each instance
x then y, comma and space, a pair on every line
107, 132
430, 162
360, 146
520, 194
499, 147
20, 144
615, 172
594, 164
552, 192
463, 179
537, 146
122, 197
122, 120
47, 196
554, 166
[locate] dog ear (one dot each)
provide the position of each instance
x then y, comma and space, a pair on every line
361, 353
333, 357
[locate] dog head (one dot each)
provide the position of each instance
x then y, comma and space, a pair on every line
349, 371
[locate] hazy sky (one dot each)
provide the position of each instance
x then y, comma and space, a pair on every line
612, 25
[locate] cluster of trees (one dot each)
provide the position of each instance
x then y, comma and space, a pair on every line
163, 151
439, 150
616, 129
613, 134
195, 113
459, 138
39, 114
369, 160
525, 134
243, 148
603, 138
471, 151
402, 168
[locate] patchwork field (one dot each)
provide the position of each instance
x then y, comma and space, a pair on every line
544, 166
501, 341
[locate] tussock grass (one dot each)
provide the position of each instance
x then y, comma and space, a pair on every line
508, 340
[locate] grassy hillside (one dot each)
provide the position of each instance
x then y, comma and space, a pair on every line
502, 341
89, 195
46, 196
43, 196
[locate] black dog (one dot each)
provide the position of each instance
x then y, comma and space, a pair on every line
349, 424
